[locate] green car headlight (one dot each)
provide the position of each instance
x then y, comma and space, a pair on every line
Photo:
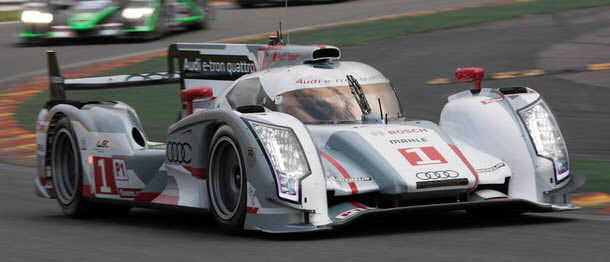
137, 13
34, 16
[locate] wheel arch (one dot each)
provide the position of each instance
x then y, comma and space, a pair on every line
85, 119
50, 135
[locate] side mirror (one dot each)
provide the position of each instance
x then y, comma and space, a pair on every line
188, 95
470, 75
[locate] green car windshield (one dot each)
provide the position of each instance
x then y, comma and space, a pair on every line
91, 6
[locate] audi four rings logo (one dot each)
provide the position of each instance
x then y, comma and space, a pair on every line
436, 175
178, 152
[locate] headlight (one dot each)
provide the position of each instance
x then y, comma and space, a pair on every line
547, 138
287, 157
33, 16
137, 13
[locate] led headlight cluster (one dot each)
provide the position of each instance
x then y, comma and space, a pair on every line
287, 157
34, 16
546, 136
137, 13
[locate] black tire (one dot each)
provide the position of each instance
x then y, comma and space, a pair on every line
67, 171
24, 41
227, 181
196, 26
67, 176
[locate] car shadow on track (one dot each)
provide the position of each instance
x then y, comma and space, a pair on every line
180, 222
418, 223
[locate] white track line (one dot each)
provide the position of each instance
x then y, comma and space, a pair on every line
8, 22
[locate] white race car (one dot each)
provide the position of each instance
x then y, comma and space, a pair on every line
287, 138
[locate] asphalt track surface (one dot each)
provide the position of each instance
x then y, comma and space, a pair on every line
17, 62
33, 229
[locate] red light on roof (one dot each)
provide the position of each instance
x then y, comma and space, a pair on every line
469, 75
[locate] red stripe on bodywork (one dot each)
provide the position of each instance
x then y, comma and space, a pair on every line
201, 173
87, 191
352, 185
146, 196
169, 200
358, 205
474, 172
251, 210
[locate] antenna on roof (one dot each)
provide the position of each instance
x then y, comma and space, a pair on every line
277, 39
286, 14
281, 34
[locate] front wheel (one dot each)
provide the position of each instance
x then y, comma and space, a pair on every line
227, 181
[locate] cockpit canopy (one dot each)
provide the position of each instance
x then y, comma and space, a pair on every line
337, 104
316, 102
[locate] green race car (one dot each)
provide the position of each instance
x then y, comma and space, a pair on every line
143, 19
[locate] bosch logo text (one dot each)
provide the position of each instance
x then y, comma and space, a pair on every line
407, 131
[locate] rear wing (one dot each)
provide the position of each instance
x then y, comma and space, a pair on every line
190, 65
58, 84
195, 65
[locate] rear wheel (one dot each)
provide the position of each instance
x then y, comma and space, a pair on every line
67, 171
227, 181
67, 175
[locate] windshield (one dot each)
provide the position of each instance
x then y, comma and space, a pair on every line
91, 6
337, 104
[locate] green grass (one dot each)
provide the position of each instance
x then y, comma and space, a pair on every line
597, 173
12, 15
